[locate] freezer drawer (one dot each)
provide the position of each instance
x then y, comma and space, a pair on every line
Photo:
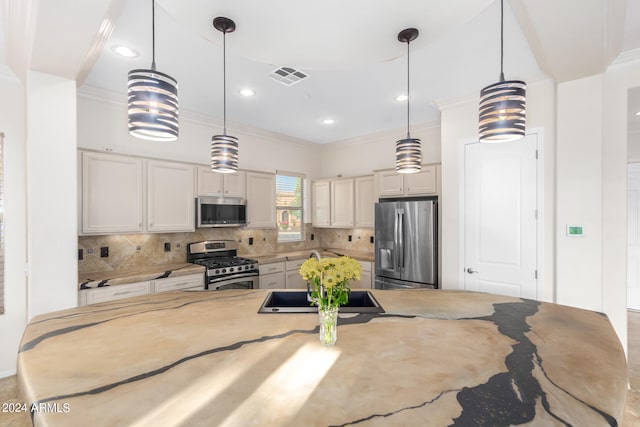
386, 283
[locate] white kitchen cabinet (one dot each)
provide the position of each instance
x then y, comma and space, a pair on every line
112, 293
293, 279
170, 197
189, 281
342, 203
366, 276
423, 183
209, 183
261, 200
272, 276
333, 203
365, 201
321, 203
111, 194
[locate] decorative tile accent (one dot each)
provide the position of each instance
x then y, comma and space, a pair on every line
123, 253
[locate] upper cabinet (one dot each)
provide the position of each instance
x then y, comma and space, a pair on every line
332, 203
111, 193
321, 203
261, 200
113, 198
389, 183
365, 201
211, 183
170, 198
342, 203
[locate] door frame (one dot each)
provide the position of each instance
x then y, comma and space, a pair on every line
539, 133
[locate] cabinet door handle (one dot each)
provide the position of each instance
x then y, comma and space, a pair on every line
122, 293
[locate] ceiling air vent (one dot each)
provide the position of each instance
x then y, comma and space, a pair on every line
287, 76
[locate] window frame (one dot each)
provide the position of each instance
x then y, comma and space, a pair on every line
301, 236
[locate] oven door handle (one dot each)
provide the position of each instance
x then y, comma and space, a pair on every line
227, 281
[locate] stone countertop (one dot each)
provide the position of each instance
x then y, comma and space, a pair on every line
435, 358
325, 252
138, 274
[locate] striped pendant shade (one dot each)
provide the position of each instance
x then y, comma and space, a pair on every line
408, 150
224, 153
408, 155
503, 111
153, 105
224, 148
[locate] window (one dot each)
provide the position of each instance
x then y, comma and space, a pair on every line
289, 201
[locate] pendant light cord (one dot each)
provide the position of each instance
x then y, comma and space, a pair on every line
224, 82
501, 40
408, 97
153, 35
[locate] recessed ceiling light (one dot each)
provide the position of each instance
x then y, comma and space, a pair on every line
328, 121
401, 98
637, 113
125, 51
247, 92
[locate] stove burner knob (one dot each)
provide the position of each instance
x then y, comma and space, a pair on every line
224, 270
217, 271
251, 267
231, 270
240, 268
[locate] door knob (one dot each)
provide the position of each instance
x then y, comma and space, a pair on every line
471, 270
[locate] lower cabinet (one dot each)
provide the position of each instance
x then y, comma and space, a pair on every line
190, 281
272, 275
366, 278
293, 278
112, 293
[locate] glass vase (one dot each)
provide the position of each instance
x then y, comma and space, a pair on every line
328, 318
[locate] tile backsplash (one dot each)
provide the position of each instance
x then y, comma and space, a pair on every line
136, 250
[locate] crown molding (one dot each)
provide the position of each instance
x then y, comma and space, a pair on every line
388, 134
186, 116
626, 57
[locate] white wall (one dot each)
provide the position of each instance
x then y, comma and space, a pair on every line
363, 155
102, 125
618, 80
579, 192
459, 124
14, 319
51, 167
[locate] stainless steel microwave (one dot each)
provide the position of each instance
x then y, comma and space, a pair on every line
221, 212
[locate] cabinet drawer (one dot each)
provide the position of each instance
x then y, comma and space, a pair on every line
365, 265
112, 293
275, 267
295, 264
272, 281
180, 282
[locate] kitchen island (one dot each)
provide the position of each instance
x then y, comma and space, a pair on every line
434, 358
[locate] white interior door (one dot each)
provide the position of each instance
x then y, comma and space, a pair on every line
500, 225
633, 236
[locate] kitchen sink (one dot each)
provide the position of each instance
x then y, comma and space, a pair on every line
296, 302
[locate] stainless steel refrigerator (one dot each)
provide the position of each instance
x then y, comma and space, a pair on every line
406, 245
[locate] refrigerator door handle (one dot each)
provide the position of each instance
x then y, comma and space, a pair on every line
399, 239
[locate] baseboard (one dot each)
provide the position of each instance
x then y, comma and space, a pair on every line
5, 374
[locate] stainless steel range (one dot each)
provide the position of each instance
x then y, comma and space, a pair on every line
225, 270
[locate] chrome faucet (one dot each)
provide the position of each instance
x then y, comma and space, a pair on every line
315, 254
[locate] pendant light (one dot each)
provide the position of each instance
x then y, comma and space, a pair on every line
224, 148
503, 104
408, 150
153, 99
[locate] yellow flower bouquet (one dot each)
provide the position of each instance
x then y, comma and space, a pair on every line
329, 278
